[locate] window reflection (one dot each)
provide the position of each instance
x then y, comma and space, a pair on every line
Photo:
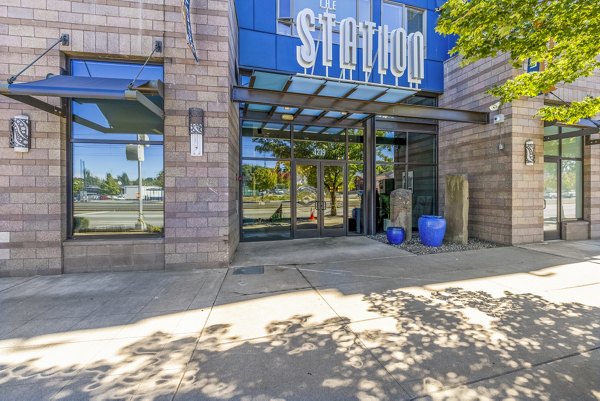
389, 177
572, 147
266, 200
108, 197
396, 15
571, 189
117, 174
421, 179
356, 191
269, 143
390, 146
360, 10
421, 148
312, 142
393, 172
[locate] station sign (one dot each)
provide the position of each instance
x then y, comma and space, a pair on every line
397, 51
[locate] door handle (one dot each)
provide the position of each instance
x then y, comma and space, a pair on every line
544, 203
324, 205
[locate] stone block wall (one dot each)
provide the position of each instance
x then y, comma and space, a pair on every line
506, 199
506, 196
474, 149
197, 225
199, 229
234, 139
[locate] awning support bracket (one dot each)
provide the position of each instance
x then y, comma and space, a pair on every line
157, 49
31, 101
63, 40
144, 101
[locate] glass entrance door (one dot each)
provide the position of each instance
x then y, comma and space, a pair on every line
551, 200
319, 199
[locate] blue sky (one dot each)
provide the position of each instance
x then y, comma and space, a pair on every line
110, 158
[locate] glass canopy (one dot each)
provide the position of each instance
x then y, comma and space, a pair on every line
336, 89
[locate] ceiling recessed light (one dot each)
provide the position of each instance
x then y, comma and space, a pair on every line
287, 117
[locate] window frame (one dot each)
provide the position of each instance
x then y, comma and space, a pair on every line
291, 22
69, 155
407, 164
405, 9
558, 159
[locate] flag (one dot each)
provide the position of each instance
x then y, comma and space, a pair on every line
185, 8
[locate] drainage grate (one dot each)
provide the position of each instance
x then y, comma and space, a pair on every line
249, 270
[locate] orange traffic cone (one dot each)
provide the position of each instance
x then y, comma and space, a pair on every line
312, 215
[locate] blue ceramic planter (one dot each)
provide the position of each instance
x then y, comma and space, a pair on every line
432, 230
395, 235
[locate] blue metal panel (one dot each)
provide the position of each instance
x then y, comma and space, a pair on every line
257, 49
286, 54
437, 45
434, 71
265, 15
245, 13
260, 47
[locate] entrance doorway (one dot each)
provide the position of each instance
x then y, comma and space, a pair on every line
319, 209
563, 178
551, 196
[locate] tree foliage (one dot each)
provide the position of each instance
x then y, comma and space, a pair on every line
110, 186
333, 180
263, 179
561, 35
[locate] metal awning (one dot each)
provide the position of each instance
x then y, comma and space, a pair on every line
330, 101
583, 128
81, 88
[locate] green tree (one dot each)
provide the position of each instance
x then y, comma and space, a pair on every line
160, 179
77, 185
110, 186
312, 148
561, 35
124, 178
91, 179
264, 178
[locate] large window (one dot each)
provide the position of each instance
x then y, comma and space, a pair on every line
563, 159
405, 160
268, 151
397, 15
117, 169
287, 10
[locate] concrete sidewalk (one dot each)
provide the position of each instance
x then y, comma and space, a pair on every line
503, 323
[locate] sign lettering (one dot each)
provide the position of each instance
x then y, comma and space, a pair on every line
397, 52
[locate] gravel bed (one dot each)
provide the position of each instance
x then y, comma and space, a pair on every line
415, 246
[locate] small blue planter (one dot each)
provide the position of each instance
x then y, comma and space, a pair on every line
395, 235
432, 230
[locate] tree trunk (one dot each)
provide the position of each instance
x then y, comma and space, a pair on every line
332, 198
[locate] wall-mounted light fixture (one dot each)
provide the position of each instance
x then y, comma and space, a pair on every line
20, 134
529, 152
196, 121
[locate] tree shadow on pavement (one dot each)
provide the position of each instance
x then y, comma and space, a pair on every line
421, 345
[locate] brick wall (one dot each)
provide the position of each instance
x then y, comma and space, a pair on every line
198, 229
506, 195
234, 139
198, 188
473, 149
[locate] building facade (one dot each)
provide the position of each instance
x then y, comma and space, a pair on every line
289, 125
